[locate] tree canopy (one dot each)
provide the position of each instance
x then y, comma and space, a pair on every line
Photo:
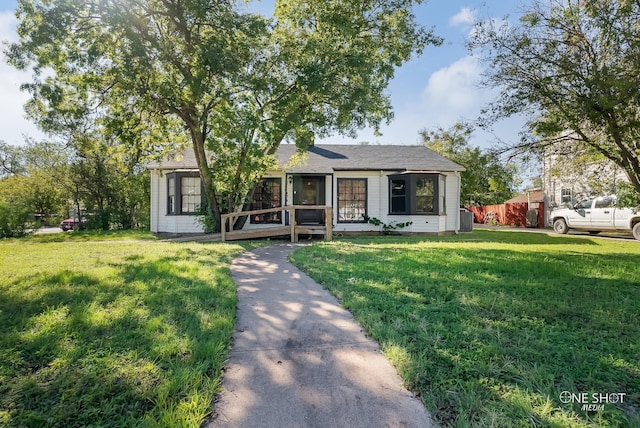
46, 180
485, 180
572, 67
158, 74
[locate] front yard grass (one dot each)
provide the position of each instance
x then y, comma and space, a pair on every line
112, 333
490, 328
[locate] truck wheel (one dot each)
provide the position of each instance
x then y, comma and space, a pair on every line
636, 231
560, 226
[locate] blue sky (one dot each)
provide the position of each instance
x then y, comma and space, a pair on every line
435, 89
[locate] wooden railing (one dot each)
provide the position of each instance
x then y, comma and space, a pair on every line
292, 229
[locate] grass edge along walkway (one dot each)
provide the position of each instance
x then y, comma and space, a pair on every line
491, 327
93, 333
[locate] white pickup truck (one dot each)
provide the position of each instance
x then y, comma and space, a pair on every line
596, 215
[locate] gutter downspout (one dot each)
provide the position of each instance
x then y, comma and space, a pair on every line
457, 226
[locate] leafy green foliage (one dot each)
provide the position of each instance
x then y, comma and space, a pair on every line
387, 228
99, 334
13, 219
32, 180
571, 68
628, 197
233, 83
47, 179
479, 338
486, 180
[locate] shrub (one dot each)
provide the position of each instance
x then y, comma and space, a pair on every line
13, 220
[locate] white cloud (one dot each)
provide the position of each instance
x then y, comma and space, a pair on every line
13, 123
452, 92
465, 17
448, 95
8, 24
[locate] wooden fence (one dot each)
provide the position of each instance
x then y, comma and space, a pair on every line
507, 214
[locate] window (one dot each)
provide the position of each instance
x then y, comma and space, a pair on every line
583, 205
190, 196
442, 186
267, 194
184, 193
171, 203
352, 200
425, 191
565, 195
605, 202
399, 196
417, 194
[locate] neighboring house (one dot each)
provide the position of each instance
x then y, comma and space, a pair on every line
394, 184
569, 180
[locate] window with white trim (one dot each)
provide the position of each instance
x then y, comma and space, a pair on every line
352, 200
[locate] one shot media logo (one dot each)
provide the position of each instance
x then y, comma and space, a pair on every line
592, 402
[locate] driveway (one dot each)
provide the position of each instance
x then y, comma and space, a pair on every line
606, 235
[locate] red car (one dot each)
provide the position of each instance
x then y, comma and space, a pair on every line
72, 224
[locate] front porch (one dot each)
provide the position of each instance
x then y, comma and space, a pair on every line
324, 225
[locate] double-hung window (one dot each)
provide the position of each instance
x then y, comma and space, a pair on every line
190, 195
352, 200
184, 193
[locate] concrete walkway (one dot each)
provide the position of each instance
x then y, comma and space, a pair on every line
300, 360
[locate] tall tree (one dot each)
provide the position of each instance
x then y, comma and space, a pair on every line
200, 71
12, 160
485, 180
572, 66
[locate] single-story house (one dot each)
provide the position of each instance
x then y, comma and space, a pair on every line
395, 184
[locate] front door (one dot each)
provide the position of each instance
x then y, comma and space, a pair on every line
309, 190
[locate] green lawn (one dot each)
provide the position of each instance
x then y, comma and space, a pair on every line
490, 328
112, 333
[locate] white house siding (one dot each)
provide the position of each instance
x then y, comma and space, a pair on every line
377, 205
156, 218
373, 200
452, 202
160, 221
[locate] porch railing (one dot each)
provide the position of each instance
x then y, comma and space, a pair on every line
292, 229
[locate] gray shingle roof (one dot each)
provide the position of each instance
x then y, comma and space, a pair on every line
326, 158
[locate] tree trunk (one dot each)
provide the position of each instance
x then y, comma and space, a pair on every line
197, 138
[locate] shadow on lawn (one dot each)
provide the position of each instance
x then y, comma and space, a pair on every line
495, 335
85, 351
